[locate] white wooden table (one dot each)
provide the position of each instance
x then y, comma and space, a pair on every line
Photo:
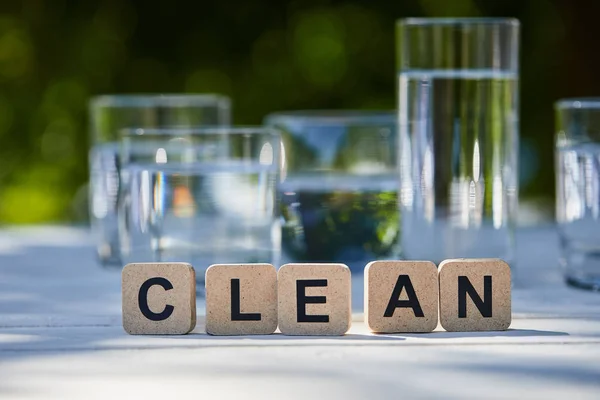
61, 337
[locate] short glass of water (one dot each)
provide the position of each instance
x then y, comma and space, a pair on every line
578, 190
201, 196
111, 113
340, 185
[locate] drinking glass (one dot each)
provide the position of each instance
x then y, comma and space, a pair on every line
111, 113
578, 190
458, 133
202, 196
340, 186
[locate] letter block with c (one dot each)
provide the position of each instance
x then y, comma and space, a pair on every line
314, 299
159, 298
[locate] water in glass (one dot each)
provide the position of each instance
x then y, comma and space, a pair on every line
458, 142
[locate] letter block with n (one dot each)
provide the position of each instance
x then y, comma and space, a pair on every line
159, 298
314, 299
241, 299
475, 295
401, 296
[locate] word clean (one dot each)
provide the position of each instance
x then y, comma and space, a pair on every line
315, 299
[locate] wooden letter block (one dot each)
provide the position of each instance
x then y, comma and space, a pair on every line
159, 298
475, 295
314, 299
401, 296
241, 299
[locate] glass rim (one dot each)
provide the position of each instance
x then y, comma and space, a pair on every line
460, 21
199, 131
158, 100
332, 116
578, 103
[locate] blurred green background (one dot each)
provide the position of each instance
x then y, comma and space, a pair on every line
265, 55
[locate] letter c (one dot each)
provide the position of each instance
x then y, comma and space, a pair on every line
143, 299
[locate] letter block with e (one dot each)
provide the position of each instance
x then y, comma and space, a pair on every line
314, 299
241, 299
475, 295
159, 298
401, 296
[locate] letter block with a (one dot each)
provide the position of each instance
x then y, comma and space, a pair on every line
401, 296
475, 295
314, 299
241, 299
159, 298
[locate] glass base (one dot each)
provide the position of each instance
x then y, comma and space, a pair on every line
582, 268
110, 262
108, 256
583, 283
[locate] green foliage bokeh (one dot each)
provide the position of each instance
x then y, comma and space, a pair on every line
266, 55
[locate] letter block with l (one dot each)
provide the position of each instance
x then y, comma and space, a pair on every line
159, 298
241, 299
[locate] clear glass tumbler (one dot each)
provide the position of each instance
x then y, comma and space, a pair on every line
578, 190
202, 196
111, 113
458, 137
340, 188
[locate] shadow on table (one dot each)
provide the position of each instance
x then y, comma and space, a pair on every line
298, 340
200, 332
487, 334
385, 337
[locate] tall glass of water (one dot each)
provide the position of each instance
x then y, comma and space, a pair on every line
458, 133
201, 196
578, 189
340, 186
111, 113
